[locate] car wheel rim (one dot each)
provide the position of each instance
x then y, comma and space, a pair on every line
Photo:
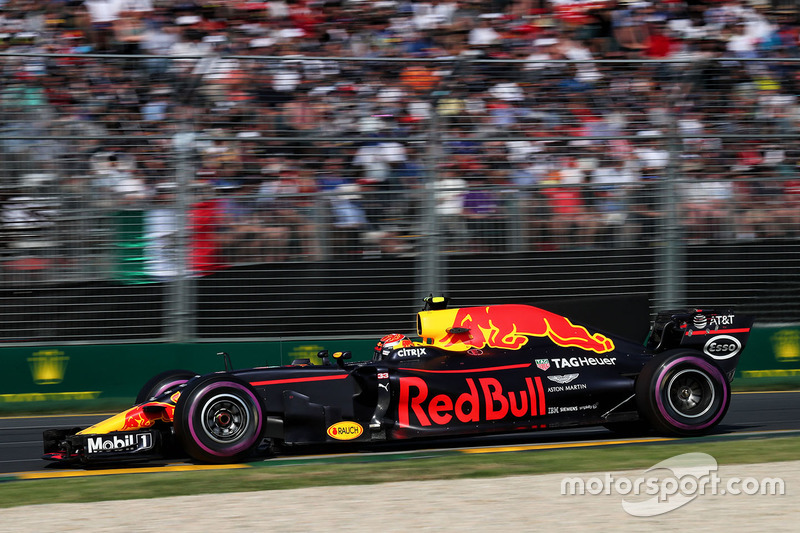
225, 418
690, 393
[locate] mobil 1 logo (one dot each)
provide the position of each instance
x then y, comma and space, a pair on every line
132, 442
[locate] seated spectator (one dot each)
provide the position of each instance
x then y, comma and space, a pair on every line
610, 183
29, 226
571, 223
207, 231
252, 234
766, 209
161, 226
116, 180
384, 205
287, 202
449, 190
707, 208
349, 221
644, 212
790, 212
484, 33
482, 212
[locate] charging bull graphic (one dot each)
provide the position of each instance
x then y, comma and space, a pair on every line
505, 326
135, 418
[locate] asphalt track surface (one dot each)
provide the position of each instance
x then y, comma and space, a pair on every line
766, 413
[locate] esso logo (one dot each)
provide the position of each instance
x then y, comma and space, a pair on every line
722, 347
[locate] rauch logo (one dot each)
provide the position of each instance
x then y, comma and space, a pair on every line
345, 430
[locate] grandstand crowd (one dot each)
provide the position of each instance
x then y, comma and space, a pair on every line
561, 114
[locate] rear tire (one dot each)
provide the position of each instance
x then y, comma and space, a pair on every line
169, 380
219, 419
682, 394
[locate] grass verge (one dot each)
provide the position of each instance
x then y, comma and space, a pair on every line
362, 469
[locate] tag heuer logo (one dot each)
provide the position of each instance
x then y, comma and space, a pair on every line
544, 364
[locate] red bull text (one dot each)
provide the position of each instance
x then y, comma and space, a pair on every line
483, 400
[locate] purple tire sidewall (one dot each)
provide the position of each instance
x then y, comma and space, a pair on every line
165, 387
708, 367
245, 444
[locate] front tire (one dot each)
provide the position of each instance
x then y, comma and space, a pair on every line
219, 419
160, 383
682, 394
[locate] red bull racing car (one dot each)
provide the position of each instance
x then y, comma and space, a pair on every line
473, 370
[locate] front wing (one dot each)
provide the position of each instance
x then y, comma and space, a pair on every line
66, 446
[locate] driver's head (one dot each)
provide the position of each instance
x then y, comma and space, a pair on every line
388, 343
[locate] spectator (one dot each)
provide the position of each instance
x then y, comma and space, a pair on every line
288, 203
161, 227
29, 224
790, 212
280, 81
349, 221
610, 184
481, 210
650, 153
449, 191
207, 231
253, 232
116, 180
571, 222
103, 15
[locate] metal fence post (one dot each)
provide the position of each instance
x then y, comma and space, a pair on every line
672, 256
181, 289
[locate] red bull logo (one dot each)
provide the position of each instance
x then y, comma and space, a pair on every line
506, 326
138, 418
134, 418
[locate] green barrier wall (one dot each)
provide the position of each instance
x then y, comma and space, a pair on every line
99, 377
771, 358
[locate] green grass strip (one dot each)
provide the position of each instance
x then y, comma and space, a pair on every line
423, 465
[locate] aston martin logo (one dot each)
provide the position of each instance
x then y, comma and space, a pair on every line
562, 379
48, 366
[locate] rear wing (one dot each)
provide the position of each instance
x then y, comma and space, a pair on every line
720, 334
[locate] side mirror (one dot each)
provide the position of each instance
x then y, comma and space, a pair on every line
323, 355
341, 356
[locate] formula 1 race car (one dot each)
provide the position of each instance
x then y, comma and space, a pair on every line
474, 370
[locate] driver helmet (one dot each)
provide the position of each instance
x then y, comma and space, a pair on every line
390, 342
